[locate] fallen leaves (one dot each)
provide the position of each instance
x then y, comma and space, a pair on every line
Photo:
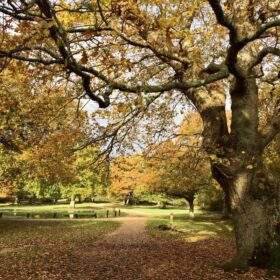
65, 250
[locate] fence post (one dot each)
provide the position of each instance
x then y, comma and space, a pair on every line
115, 212
107, 213
119, 212
28, 216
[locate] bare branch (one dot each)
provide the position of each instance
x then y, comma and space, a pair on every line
260, 31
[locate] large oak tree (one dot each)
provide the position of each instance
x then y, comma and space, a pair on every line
205, 50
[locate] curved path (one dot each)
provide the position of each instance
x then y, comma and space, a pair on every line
129, 253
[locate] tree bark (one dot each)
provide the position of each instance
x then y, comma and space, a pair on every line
226, 207
16, 201
162, 204
236, 161
190, 200
253, 193
255, 204
73, 202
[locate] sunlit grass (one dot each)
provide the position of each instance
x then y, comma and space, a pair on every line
202, 227
154, 210
60, 210
49, 207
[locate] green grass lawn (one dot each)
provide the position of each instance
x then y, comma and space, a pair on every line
84, 210
202, 226
154, 210
46, 211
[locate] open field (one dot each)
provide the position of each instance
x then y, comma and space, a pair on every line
83, 210
156, 211
87, 209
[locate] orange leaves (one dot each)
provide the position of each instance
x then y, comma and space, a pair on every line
84, 58
127, 174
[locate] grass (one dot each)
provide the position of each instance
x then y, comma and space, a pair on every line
201, 227
84, 210
23, 232
155, 210
25, 240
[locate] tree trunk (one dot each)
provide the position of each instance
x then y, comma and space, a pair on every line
257, 220
226, 207
73, 202
16, 200
162, 204
255, 205
236, 161
190, 200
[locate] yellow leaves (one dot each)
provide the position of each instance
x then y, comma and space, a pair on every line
44, 124
153, 36
213, 157
166, 23
121, 108
187, 44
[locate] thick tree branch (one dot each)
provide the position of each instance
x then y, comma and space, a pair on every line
261, 55
16, 15
237, 42
34, 48
271, 129
85, 29
260, 31
66, 58
184, 85
223, 19
4, 54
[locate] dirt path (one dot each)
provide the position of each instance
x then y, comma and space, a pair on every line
129, 253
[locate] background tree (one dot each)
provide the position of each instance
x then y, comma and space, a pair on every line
91, 180
126, 175
179, 167
40, 129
